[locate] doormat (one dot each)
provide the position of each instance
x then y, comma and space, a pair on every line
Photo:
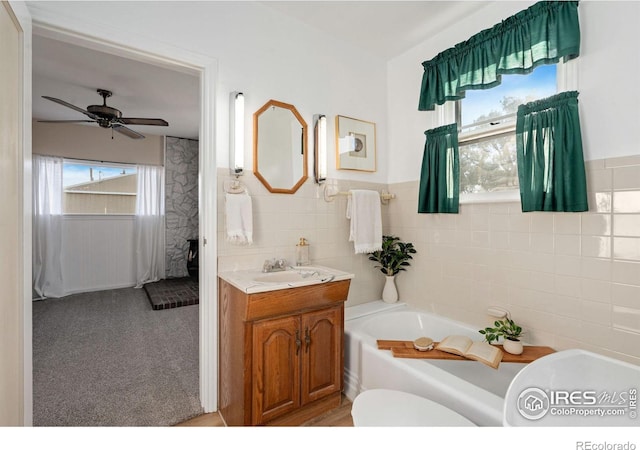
172, 293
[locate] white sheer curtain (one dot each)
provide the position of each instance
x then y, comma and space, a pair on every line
149, 225
47, 226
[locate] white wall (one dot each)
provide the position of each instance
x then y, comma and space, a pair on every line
609, 60
97, 253
95, 144
608, 78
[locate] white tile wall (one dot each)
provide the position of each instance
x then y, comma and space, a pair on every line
280, 220
571, 279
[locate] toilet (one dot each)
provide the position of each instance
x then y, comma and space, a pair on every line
389, 408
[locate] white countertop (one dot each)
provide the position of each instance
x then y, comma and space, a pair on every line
251, 281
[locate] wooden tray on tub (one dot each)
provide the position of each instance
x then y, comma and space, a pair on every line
404, 349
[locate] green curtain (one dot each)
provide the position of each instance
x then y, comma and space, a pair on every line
541, 34
439, 178
550, 161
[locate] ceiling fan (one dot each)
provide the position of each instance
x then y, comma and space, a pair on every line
107, 117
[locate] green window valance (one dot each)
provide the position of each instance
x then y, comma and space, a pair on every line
550, 160
439, 177
541, 34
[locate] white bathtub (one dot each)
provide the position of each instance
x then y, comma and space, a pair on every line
468, 387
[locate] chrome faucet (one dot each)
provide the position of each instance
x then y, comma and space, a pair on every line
274, 265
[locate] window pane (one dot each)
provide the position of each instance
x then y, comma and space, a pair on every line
487, 122
481, 105
489, 165
99, 188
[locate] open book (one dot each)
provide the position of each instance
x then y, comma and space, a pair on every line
477, 350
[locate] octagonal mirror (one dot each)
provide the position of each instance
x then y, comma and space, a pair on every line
279, 147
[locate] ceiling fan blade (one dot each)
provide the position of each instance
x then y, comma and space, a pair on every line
127, 131
66, 121
69, 105
141, 121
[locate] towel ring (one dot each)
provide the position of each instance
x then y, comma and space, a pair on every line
234, 186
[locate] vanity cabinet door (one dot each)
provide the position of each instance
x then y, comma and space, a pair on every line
296, 360
276, 368
322, 357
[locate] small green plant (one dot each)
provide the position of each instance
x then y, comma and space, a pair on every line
394, 256
505, 328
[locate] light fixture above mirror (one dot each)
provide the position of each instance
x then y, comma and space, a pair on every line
320, 147
236, 133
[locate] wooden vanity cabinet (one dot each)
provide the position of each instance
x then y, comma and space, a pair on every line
281, 353
297, 359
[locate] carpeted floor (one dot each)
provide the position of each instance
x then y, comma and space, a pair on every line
173, 292
108, 359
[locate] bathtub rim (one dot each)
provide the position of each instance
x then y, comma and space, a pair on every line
491, 403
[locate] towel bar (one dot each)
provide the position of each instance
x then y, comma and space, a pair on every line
384, 196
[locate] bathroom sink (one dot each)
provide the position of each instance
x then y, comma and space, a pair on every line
574, 388
253, 281
288, 276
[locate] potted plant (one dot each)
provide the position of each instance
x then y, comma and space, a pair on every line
507, 329
393, 258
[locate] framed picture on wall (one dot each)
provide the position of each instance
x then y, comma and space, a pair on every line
355, 144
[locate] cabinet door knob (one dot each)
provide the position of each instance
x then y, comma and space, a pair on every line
298, 341
307, 339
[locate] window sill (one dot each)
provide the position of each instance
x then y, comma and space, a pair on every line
491, 197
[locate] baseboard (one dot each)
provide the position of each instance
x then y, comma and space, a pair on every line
100, 288
92, 289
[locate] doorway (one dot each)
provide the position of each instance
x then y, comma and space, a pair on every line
205, 68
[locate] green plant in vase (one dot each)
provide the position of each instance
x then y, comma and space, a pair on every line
392, 259
509, 331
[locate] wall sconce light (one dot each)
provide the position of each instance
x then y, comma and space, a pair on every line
236, 133
320, 148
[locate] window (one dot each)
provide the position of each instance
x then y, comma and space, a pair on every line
98, 188
487, 122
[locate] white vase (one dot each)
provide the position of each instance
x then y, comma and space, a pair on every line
390, 293
513, 347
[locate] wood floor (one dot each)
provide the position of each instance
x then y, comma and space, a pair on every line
339, 417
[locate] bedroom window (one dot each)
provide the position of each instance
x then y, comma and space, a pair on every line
98, 188
486, 122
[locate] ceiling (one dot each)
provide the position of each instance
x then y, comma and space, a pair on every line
73, 74
385, 28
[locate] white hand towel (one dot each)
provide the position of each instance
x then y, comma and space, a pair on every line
239, 218
363, 208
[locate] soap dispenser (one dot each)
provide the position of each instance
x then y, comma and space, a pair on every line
302, 253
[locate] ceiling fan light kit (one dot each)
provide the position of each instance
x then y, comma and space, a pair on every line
108, 117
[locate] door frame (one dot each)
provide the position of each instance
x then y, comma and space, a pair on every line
121, 42
22, 17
